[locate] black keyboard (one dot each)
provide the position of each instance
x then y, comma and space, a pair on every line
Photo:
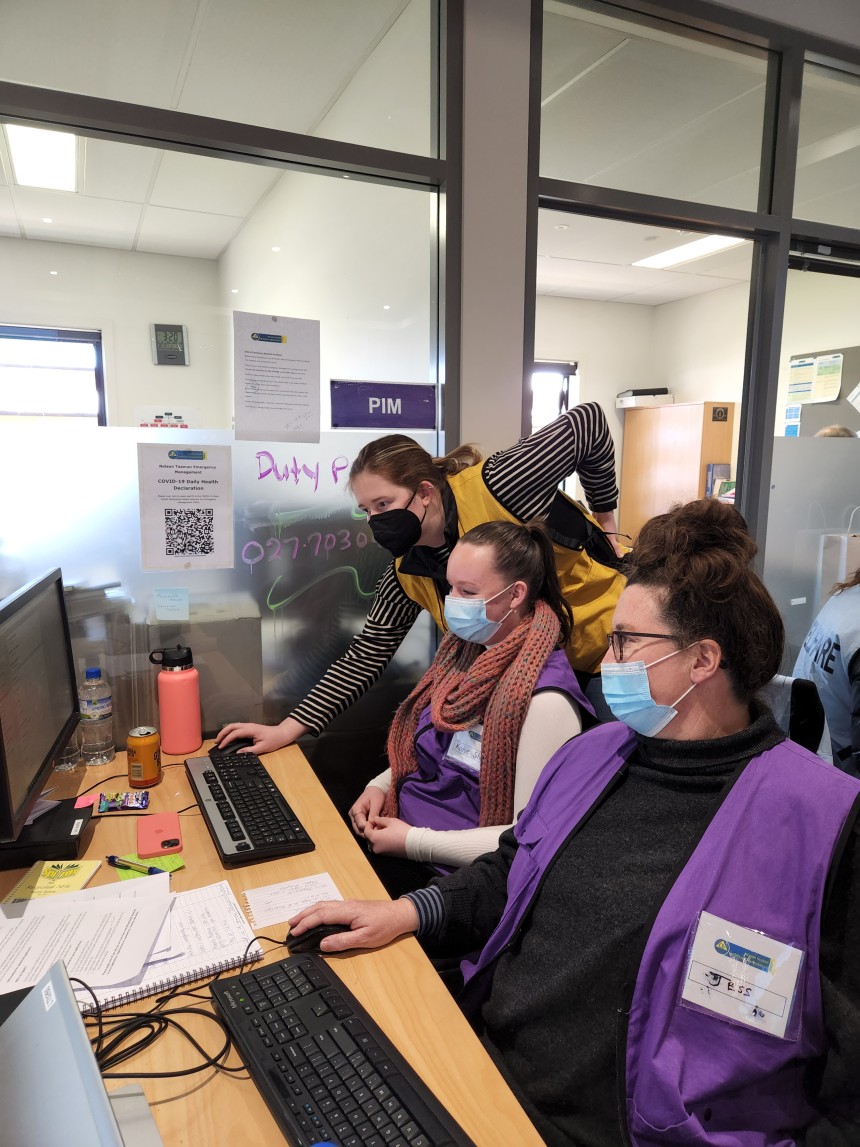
244, 810
324, 1068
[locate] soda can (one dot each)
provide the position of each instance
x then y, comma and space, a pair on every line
143, 749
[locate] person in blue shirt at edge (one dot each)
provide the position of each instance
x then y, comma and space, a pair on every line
830, 656
468, 744
665, 949
418, 506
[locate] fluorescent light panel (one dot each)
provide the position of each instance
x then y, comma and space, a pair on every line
707, 245
42, 158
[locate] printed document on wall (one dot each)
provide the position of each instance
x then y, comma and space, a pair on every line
276, 378
186, 507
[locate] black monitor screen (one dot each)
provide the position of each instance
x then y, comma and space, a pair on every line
38, 695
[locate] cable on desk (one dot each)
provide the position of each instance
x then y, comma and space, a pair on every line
122, 1035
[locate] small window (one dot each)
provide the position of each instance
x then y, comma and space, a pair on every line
46, 373
555, 388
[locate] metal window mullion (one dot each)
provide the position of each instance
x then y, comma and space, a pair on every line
532, 212
767, 309
202, 135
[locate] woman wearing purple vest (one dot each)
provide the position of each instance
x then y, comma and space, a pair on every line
468, 744
666, 946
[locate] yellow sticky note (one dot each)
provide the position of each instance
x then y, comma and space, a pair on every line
166, 863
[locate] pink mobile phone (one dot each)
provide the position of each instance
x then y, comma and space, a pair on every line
158, 834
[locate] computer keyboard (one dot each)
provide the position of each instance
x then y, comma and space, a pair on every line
244, 811
325, 1069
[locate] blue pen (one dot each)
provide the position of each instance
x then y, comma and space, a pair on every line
146, 869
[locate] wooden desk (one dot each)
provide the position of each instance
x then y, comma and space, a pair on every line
397, 984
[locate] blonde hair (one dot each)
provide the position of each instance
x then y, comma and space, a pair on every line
404, 462
834, 431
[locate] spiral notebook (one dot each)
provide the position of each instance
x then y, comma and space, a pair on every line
208, 933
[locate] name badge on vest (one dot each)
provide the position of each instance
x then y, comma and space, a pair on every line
742, 975
465, 747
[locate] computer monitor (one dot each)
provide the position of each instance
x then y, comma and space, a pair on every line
38, 695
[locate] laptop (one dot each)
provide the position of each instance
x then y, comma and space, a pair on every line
51, 1091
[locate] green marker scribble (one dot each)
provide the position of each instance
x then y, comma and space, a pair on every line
329, 573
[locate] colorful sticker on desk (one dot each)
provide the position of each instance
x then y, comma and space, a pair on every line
465, 747
742, 975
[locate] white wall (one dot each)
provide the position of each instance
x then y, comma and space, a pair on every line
612, 342
121, 293
347, 251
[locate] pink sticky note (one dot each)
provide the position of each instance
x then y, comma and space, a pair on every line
86, 800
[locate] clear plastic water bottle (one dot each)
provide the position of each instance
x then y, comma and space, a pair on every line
94, 698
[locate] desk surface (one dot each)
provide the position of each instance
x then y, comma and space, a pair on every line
397, 984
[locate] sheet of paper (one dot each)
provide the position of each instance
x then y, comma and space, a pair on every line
275, 903
186, 507
208, 932
102, 942
276, 378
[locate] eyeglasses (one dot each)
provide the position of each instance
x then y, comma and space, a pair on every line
618, 636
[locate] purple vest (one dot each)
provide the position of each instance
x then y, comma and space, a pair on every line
445, 794
762, 863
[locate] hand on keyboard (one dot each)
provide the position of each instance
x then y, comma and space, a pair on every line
373, 923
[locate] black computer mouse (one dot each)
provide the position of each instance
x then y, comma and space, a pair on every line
310, 941
233, 748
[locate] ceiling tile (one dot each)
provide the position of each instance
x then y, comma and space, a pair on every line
76, 218
165, 231
118, 170
279, 65
131, 51
214, 186
8, 218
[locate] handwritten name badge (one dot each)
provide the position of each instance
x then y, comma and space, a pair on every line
465, 747
742, 975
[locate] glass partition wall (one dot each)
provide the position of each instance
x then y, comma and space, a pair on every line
742, 132
161, 227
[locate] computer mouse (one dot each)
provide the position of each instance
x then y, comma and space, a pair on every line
233, 748
310, 941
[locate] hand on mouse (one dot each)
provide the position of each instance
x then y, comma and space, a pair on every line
266, 738
372, 922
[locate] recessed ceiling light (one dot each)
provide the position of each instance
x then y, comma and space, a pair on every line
53, 272
347, 177
386, 307
47, 219
562, 227
276, 248
234, 290
707, 245
42, 158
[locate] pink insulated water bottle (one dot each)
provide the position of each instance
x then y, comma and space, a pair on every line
178, 701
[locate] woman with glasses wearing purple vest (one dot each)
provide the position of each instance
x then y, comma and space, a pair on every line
665, 949
468, 744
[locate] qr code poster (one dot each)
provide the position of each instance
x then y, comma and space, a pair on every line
186, 507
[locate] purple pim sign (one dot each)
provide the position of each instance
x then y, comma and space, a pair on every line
383, 405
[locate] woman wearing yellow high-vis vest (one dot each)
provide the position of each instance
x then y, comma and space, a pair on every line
418, 506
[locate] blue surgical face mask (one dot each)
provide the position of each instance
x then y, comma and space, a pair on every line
627, 692
467, 617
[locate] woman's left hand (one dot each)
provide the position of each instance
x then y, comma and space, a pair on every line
386, 835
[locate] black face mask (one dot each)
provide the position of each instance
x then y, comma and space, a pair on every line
397, 530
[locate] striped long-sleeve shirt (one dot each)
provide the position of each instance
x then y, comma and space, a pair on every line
523, 478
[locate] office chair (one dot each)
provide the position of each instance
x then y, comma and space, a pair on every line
797, 708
